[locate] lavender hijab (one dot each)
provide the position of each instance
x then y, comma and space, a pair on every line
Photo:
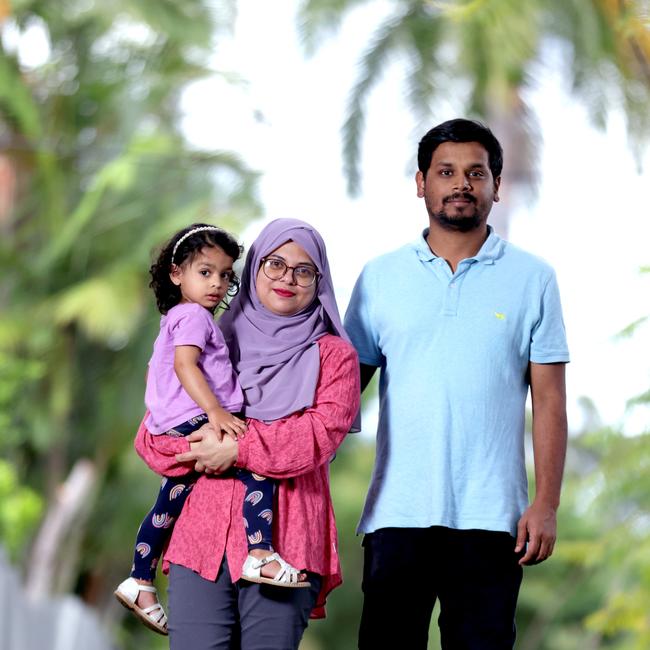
277, 357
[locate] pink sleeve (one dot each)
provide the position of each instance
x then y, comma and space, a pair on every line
159, 452
303, 441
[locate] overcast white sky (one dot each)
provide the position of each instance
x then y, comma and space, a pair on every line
591, 221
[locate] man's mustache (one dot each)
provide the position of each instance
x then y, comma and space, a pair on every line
460, 195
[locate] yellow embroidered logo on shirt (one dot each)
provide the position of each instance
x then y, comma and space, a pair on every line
499, 315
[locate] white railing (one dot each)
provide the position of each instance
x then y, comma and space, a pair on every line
57, 623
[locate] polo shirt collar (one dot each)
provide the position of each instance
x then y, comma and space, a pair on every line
491, 250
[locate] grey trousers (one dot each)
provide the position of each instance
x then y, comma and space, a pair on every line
220, 615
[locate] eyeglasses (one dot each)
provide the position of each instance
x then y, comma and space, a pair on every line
276, 269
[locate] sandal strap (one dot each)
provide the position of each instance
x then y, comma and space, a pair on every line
274, 557
286, 574
151, 612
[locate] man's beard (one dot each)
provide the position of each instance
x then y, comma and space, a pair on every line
459, 223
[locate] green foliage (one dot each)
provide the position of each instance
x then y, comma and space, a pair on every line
594, 591
102, 177
350, 476
20, 510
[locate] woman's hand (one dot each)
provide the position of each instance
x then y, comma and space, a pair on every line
211, 455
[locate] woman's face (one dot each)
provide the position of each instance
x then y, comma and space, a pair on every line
285, 297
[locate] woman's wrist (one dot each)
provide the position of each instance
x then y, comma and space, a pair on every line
242, 449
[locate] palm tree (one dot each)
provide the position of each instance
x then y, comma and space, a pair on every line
485, 51
94, 173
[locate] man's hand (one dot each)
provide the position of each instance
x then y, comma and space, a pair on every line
211, 455
538, 528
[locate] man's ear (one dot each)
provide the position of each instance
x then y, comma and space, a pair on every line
419, 182
175, 275
497, 185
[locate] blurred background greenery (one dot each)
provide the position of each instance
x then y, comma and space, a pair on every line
95, 172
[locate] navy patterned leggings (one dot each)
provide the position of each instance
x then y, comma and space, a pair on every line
156, 527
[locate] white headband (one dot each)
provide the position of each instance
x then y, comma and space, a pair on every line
188, 234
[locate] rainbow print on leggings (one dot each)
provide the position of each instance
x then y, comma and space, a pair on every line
254, 497
162, 520
267, 515
143, 548
256, 538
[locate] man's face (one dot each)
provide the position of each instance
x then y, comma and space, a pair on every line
459, 189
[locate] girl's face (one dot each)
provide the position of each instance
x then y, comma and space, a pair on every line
206, 278
285, 296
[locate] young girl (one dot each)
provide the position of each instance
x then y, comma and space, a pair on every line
190, 382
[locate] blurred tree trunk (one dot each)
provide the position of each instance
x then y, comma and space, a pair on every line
56, 549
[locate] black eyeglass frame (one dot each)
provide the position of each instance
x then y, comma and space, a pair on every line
317, 273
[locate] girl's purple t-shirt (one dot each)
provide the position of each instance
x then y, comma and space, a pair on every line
167, 401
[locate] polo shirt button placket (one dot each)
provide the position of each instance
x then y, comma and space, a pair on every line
451, 298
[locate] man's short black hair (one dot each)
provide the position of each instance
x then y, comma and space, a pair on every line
460, 130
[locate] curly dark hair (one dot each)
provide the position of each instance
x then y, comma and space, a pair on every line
167, 293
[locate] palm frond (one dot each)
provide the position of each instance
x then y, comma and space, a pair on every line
488, 49
630, 330
386, 40
318, 19
608, 46
497, 41
424, 34
107, 308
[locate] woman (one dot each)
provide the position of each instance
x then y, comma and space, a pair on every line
300, 378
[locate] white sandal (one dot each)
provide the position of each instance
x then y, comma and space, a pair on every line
153, 617
287, 576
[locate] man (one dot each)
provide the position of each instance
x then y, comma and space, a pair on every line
460, 323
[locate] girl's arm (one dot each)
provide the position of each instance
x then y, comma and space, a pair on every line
186, 359
298, 444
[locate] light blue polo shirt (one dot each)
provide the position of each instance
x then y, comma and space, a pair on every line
453, 352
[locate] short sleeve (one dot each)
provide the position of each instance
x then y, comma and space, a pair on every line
190, 326
359, 323
548, 337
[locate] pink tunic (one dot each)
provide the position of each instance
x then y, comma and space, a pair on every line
296, 449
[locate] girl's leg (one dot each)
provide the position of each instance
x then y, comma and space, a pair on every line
155, 530
258, 519
275, 618
137, 592
202, 614
258, 509
156, 527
